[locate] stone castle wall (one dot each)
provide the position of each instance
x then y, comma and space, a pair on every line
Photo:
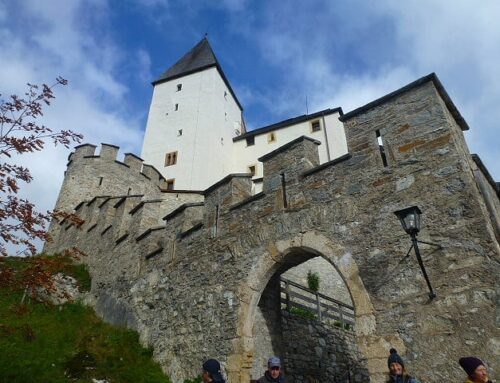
192, 284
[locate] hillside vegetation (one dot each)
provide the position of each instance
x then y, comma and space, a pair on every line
41, 343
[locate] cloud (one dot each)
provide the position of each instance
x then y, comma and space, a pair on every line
350, 53
43, 40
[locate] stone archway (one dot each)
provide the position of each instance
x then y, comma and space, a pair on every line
306, 245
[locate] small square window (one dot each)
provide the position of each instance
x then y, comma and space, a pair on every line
315, 126
170, 158
250, 140
271, 137
252, 170
176, 106
170, 184
179, 87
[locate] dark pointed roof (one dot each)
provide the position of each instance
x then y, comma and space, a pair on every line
199, 58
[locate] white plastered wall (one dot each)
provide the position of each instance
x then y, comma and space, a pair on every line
245, 156
208, 116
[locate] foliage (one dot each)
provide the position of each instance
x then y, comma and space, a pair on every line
313, 281
20, 133
42, 343
34, 273
195, 380
303, 312
342, 325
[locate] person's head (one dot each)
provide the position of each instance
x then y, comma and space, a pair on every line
274, 366
475, 369
395, 363
211, 371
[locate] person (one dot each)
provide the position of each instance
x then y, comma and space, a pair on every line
475, 369
211, 372
273, 372
397, 372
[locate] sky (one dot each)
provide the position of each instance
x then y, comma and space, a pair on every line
276, 54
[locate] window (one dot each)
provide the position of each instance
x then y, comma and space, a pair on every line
176, 106
170, 159
179, 87
250, 140
252, 169
271, 137
381, 148
315, 126
170, 184
179, 132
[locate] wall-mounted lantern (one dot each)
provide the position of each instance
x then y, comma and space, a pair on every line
410, 220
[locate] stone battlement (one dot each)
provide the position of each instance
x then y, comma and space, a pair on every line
188, 270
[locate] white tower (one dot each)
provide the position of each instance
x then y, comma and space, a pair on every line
193, 118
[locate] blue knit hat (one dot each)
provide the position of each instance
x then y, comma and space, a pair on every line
394, 358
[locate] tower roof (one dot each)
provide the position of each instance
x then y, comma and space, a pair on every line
199, 58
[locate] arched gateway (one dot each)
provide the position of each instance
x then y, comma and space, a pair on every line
282, 255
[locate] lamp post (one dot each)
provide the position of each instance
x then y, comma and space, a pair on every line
410, 220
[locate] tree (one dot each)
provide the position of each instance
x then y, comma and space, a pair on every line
20, 224
20, 133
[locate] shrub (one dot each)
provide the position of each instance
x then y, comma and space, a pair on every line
303, 312
313, 281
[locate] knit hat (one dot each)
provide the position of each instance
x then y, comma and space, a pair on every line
470, 363
274, 361
212, 366
394, 358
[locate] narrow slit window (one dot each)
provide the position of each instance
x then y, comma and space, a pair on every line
100, 180
179, 87
381, 148
176, 106
216, 220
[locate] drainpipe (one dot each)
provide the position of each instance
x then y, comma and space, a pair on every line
326, 137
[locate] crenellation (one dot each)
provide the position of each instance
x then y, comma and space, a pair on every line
109, 152
133, 162
82, 151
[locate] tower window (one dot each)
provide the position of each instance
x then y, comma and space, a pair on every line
170, 184
176, 106
170, 158
250, 140
315, 126
271, 137
252, 170
179, 87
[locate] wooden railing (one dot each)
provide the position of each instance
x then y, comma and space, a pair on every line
326, 309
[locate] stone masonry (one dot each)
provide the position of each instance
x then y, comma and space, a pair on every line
190, 279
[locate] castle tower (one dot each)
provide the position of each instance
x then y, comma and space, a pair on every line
194, 115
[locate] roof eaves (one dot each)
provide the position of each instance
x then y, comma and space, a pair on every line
289, 122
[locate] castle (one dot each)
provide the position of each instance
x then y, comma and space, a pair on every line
189, 245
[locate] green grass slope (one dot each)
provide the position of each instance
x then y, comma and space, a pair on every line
40, 343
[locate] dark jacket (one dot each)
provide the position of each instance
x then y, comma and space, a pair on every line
402, 379
267, 378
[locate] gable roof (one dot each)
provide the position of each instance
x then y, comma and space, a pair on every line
199, 58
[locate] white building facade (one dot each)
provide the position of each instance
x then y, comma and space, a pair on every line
196, 135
